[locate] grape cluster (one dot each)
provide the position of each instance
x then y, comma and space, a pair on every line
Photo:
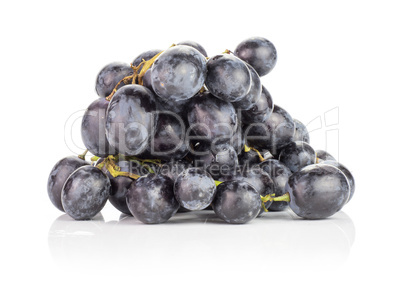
178, 131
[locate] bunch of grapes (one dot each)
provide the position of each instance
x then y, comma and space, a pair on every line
177, 130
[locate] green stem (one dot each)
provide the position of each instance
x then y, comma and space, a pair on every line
271, 197
82, 156
95, 158
114, 169
217, 182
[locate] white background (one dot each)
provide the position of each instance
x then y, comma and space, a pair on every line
342, 55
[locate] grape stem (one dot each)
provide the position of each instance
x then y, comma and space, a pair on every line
136, 77
247, 149
95, 158
82, 156
271, 197
114, 170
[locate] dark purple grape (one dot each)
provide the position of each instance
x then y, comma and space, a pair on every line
130, 118
194, 45
236, 202
168, 139
58, 176
121, 184
151, 200
261, 110
317, 191
109, 76
228, 78
93, 130
211, 118
178, 73
301, 132
280, 174
297, 155
259, 53
147, 55
253, 95
85, 193
274, 133
347, 173
323, 156
256, 177
147, 80
194, 189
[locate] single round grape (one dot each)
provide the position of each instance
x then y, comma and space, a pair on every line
194, 189
151, 200
280, 174
85, 193
168, 140
297, 155
253, 95
323, 156
130, 118
261, 110
109, 76
274, 133
58, 176
178, 73
317, 191
301, 132
93, 131
347, 173
257, 178
194, 45
236, 202
228, 78
211, 119
259, 52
